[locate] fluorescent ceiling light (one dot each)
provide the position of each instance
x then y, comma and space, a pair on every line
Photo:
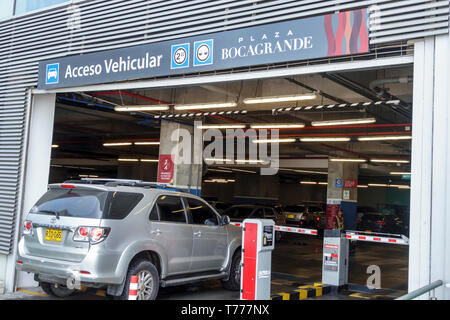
142, 108
330, 139
343, 122
218, 160
55, 146
149, 160
362, 186
219, 181
117, 144
323, 183
222, 126
220, 170
291, 98
385, 138
278, 126
150, 143
128, 160
378, 185
348, 160
249, 161
274, 141
308, 182
401, 173
201, 106
244, 171
388, 161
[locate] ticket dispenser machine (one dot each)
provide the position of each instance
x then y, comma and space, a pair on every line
335, 258
258, 240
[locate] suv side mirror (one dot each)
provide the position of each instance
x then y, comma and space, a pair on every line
225, 220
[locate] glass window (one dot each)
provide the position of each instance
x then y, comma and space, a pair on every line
238, 212
122, 203
258, 214
154, 214
80, 203
6, 9
170, 208
23, 6
201, 213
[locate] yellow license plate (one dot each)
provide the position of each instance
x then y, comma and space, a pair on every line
291, 216
53, 235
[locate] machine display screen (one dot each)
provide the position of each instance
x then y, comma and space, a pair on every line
268, 236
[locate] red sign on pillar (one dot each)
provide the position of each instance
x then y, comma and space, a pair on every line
350, 184
165, 168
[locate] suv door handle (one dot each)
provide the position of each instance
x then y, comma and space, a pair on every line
198, 233
157, 232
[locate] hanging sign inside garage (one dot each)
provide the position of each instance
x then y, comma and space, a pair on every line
310, 38
165, 168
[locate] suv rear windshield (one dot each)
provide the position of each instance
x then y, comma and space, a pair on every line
85, 203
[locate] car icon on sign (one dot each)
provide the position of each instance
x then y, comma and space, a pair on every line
52, 73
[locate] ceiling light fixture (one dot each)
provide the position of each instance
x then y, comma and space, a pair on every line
221, 126
128, 160
291, 98
201, 106
347, 160
149, 160
54, 146
150, 143
329, 139
308, 182
385, 138
401, 173
141, 108
117, 144
274, 141
343, 122
362, 186
278, 126
389, 161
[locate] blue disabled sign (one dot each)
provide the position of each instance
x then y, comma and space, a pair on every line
338, 183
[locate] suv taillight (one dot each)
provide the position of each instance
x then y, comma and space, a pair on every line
27, 227
93, 235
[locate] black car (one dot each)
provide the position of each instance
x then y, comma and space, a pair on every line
380, 222
239, 213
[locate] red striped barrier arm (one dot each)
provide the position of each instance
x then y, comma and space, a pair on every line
286, 229
380, 239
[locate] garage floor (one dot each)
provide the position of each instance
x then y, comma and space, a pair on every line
296, 261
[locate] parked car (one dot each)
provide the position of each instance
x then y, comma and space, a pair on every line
315, 218
239, 213
101, 232
380, 222
219, 206
294, 215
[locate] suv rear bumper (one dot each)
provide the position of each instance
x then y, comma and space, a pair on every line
98, 267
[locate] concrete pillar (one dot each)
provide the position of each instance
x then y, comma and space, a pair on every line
185, 146
342, 193
37, 171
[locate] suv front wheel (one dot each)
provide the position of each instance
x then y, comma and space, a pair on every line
148, 280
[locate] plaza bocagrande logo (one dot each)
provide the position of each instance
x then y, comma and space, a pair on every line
231, 146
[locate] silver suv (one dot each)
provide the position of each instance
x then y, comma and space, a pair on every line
98, 233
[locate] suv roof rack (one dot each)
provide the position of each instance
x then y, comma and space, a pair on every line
124, 182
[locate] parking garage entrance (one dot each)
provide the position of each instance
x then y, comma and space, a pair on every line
338, 140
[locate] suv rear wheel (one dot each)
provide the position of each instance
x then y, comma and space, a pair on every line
148, 280
57, 290
234, 281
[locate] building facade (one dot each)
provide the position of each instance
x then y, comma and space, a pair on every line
35, 31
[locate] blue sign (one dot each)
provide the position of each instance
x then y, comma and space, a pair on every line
339, 183
180, 56
52, 74
295, 40
203, 53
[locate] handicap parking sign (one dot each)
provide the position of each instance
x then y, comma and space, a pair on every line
339, 183
203, 52
52, 74
180, 56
